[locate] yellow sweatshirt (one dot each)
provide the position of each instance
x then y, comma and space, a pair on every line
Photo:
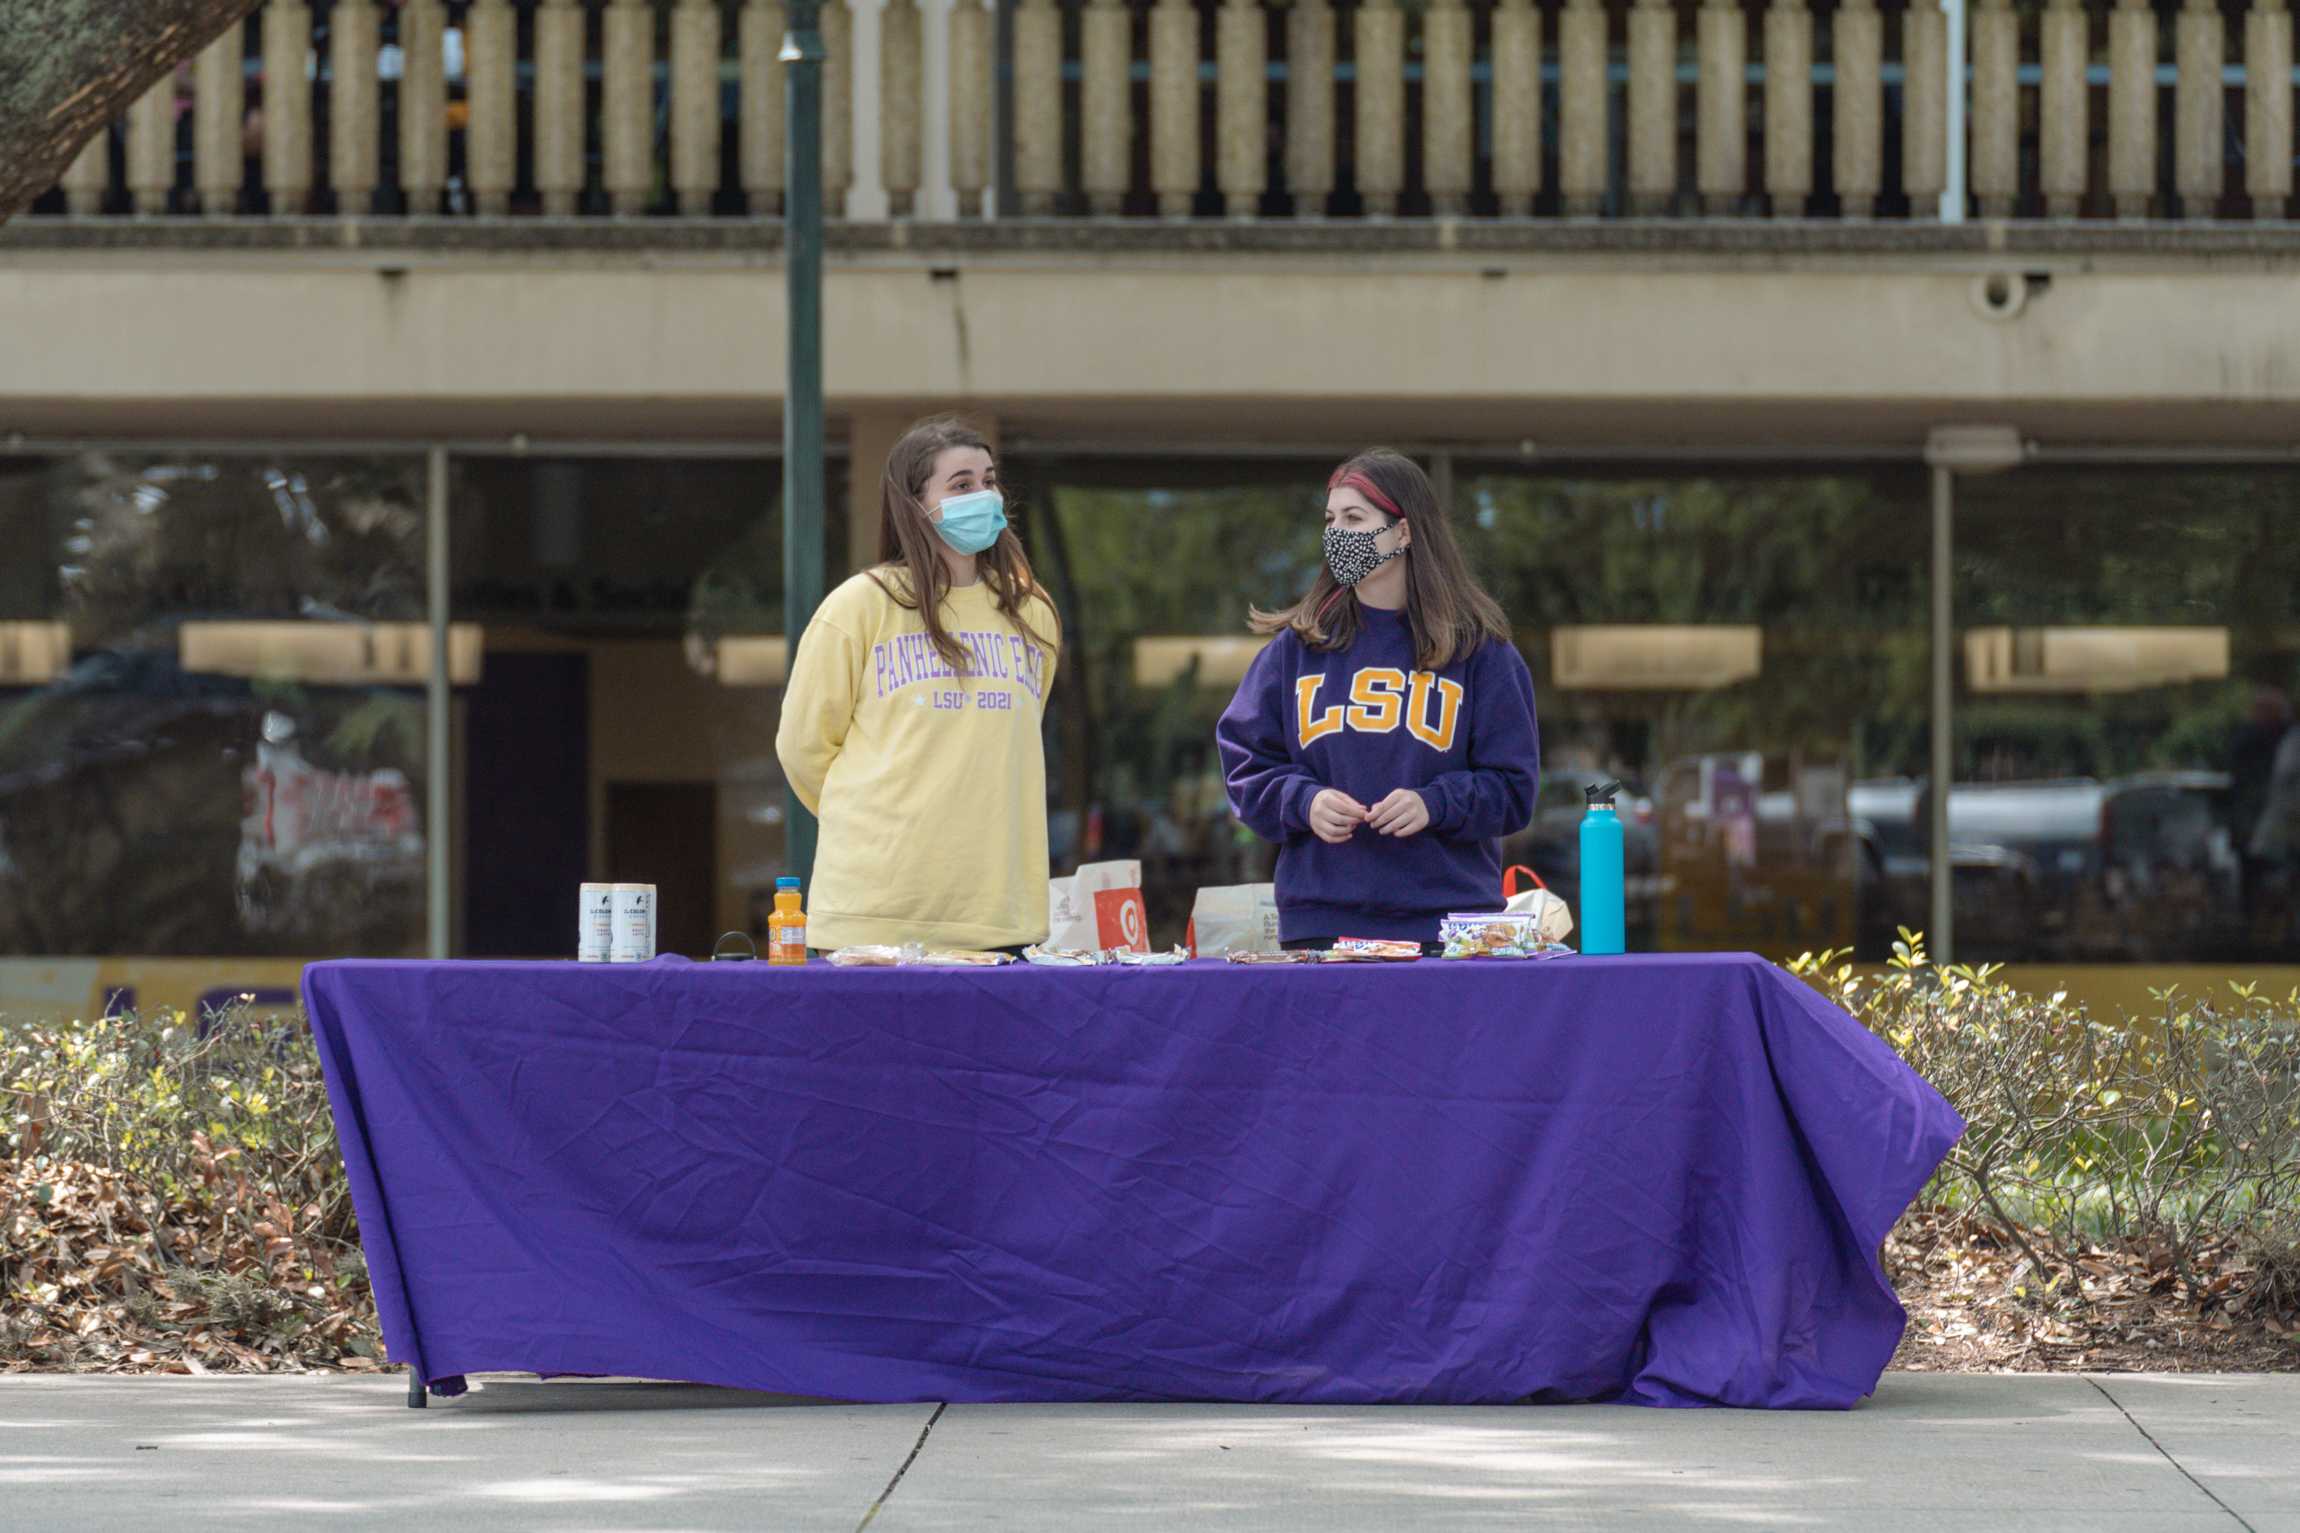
930, 786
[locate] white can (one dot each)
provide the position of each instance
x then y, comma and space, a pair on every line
634, 940
595, 923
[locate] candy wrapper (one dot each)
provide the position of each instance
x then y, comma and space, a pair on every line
962, 958
1279, 957
873, 957
1373, 950
1064, 957
1134, 960
1500, 935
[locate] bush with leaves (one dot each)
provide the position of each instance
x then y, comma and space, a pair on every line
2177, 1134
172, 1196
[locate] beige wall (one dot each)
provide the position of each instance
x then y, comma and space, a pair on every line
1547, 347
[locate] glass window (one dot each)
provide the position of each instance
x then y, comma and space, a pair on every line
212, 720
1746, 654
1154, 564
623, 726
2127, 769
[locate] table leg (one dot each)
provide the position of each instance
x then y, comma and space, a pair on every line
415, 1391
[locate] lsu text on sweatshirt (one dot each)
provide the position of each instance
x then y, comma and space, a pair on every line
1368, 720
929, 779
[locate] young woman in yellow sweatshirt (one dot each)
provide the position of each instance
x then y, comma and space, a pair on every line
911, 722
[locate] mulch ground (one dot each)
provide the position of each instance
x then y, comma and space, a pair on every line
1976, 1305
95, 1279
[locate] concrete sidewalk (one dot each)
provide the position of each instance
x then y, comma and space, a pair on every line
2106, 1453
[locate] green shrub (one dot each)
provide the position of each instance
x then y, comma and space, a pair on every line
2178, 1132
171, 1186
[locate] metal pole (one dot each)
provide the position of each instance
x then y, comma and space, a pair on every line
1940, 939
438, 755
1953, 194
1006, 202
803, 389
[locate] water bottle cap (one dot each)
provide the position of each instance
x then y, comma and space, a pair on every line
786, 883
1602, 795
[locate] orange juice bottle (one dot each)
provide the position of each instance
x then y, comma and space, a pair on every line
787, 927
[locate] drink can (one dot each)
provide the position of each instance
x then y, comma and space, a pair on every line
634, 937
595, 923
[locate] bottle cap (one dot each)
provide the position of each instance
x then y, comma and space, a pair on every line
786, 883
1602, 795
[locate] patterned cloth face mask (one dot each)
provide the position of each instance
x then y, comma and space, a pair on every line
1352, 556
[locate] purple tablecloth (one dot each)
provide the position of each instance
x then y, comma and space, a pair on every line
1660, 1180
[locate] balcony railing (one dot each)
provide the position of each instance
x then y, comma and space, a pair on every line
1177, 109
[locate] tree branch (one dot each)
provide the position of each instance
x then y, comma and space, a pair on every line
69, 67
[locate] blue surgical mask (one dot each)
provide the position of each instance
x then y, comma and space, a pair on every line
971, 523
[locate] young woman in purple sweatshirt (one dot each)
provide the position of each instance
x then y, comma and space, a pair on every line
1385, 739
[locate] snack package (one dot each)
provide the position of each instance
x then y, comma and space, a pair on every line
868, 957
962, 958
1063, 957
1281, 956
1373, 950
1134, 960
1501, 934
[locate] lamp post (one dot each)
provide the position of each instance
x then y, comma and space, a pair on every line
802, 52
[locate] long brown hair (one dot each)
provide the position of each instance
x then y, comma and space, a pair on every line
914, 573
1450, 612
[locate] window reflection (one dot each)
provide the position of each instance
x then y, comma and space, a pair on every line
1739, 652
624, 725
175, 779
2128, 773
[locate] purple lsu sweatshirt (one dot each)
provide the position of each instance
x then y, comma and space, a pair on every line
1368, 721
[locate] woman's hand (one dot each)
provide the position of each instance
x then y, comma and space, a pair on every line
1403, 813
1335, 816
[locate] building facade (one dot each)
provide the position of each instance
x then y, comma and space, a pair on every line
383, 320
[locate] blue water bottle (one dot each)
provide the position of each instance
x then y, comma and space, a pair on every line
1603, 898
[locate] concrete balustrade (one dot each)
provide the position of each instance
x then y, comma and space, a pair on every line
1310, 140
2268, 107
287, 104
1722, 109
1788, 108
1516, 106
1145, 106
1858, 33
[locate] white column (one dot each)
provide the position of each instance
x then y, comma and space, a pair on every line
287, 106
2198, 127
1722, 110
2063, 106
972, 60
559, 110
1310, 106
1381, 105
219, 119
759, 40
1583, 127
1788, 107
422, 104
1174, 153
491, 143
89, 176
2132, 107
355, 109
1242, 123
1106, 95
1037, 105
627, 106
152, 147
901, 88
2268, 107
1516, 105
